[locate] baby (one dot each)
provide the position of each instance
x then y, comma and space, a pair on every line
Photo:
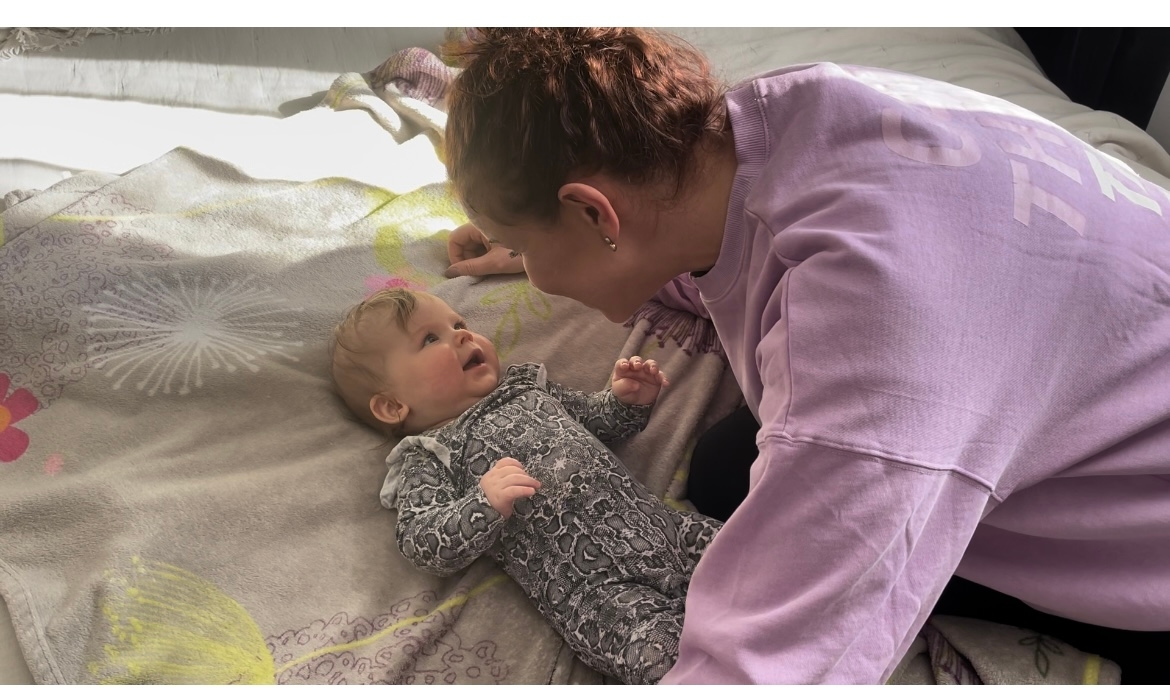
513, 466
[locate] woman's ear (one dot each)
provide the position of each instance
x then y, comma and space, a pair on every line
591, 208
388, 410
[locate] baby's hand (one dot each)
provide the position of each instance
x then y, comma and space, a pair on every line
505, 483
637, 383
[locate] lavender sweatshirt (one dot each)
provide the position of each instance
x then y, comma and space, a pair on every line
952, 319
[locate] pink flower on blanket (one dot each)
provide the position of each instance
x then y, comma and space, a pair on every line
376, 283
20, 405
53, 464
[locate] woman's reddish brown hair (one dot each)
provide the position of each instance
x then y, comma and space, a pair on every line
534, 107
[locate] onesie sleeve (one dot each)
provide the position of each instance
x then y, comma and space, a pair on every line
439, 530
601, 413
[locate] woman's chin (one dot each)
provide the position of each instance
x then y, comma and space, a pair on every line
618, 315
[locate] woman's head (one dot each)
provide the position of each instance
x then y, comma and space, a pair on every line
563, 140
534, 107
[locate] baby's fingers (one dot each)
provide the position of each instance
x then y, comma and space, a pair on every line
514, 493
632, 367
636, 368
655, 372
501, 470
518, 480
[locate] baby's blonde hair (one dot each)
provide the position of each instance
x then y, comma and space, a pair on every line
357, 376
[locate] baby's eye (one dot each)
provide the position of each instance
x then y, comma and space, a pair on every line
430, 338
461, 325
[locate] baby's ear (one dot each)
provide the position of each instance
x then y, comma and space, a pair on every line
388, 410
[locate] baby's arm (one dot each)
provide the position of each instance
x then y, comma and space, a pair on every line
439, 532
601, 413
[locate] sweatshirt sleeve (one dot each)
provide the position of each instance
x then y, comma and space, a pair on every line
829, 568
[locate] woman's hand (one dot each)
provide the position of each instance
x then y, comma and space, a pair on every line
636, 382
471, 253
505, 483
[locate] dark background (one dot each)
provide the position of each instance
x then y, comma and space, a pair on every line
1120, 70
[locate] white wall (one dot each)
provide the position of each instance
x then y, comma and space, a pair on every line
1159, 126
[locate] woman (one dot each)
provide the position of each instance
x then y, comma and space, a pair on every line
949, 317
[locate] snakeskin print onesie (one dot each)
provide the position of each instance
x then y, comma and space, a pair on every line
604, 561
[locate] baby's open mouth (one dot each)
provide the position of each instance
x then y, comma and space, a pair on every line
474, 361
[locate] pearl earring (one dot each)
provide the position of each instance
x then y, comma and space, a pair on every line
609, 242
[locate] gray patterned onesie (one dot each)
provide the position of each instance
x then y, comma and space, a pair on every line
605, 562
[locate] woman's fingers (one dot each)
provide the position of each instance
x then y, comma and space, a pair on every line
470, 253
466, 242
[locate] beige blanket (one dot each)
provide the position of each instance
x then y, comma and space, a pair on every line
182, 498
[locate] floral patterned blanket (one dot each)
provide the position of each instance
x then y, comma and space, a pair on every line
183, 499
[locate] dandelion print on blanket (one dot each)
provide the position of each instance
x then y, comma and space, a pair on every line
168, 334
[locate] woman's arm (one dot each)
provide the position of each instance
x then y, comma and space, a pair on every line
833, 562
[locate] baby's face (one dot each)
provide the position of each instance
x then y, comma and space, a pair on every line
437, 367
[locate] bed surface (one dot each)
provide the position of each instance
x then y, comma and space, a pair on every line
245, 96
116, 102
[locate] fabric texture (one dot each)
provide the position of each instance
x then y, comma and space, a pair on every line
962, 651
